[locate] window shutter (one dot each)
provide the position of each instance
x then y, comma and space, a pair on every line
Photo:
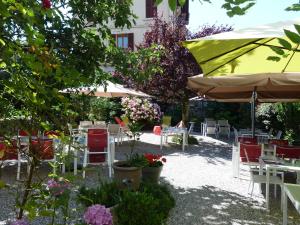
185, 11
148, 8
131, 41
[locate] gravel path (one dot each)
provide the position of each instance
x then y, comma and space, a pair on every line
201, 181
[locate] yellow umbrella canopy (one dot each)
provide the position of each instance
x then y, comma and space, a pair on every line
244, 51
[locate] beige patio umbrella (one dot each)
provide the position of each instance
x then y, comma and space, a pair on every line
272, 87
110, 90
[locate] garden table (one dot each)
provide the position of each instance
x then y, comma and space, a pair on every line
173, 131
277, 165
291, 191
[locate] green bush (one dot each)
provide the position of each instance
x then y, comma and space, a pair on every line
162, 194
191, 140
107, 194
138, 208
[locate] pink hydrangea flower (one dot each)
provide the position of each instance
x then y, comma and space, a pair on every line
58, 187
98, 215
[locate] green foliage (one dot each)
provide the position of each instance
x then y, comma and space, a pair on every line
104, 109
191, 140
136, 160
139, 209
281, 116
106, 194
161, 193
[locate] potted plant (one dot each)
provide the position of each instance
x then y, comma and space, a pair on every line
128, 173
152, 171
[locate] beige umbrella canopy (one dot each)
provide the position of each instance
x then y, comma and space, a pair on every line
110, 90
270, 87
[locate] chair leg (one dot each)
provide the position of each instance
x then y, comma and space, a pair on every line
84, 163
249, 186
275, 190
252, 189
19, 167
75, 161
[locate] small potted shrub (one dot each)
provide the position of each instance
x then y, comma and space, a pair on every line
138, 111
152, 171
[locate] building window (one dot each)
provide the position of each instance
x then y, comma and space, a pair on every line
124, 40
151, 9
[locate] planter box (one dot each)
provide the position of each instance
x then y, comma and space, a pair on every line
151, 174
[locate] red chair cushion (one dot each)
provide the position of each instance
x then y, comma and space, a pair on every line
10, 151
119, 121
157, 130
97, 142
25, 133
43, 149
248, 140
288, 151
253, 152
279, 142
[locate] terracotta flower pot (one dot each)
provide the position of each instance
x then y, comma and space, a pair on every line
151, 174
127, 177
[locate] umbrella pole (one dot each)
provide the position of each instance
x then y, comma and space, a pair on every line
253, 106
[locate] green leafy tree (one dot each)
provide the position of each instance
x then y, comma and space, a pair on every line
46, 46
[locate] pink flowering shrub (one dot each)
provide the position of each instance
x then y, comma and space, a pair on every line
137, 109
20, 222
58, 187
98, 215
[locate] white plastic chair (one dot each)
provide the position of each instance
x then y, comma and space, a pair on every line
210, 127
98, 143
223, 128
115, 131
255, 177
278, 135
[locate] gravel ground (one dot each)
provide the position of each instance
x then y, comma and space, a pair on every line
200, 179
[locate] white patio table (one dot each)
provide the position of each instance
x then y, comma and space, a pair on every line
277, 167
291, 191
174, 130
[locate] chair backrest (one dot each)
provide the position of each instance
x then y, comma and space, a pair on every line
52, 133
100, 123
113, 128
250, 152
8, 151
279, 142
278, 135
210, 123
43, 149
248, 140
24, 133
288, 151
125, 120
119, 121
85, 123
97, 141
208, 119
166, 121
223, 123
271, 132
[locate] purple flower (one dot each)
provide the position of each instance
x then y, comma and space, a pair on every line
57, 187
20, 222
97, 215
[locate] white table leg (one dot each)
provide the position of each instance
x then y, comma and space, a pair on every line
267, 188
161, 140
285, 218
298, 177
183, 141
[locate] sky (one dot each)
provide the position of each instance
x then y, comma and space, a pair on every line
264, 12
